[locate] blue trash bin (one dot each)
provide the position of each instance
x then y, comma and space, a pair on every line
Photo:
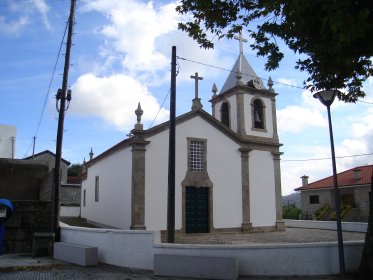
6, 211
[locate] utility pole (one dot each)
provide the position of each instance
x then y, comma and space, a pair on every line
171, 155
61, 117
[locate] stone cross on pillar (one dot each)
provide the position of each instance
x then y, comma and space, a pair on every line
241, 40
196, 101
196, 78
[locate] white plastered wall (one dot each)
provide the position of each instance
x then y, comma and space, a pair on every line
114, 205
262, 189
268, 117
224, 169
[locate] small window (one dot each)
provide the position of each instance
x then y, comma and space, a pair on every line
258, 114
97, 183
314, 199
197, 156
84, 197
225, 113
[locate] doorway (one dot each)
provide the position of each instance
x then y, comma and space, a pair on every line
197, 210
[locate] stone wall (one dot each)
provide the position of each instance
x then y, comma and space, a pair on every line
70, 195
21, 179
29, 217
28, 185
47, 187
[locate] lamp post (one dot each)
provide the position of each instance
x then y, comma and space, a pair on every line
327, 97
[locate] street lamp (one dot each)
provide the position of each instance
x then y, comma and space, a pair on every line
327, 97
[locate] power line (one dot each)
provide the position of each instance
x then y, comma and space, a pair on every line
244, 74
314, 159
164, 100
228, 70
49, 87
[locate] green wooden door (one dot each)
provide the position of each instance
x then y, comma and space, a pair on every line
197, 210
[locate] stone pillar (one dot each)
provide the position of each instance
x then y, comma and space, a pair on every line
240, 114
280, 225
274, 118
138, 180
138, 174
246, 224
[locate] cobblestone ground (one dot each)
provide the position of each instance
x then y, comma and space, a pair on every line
102, 272
290, 235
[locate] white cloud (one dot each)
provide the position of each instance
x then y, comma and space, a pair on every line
25, 16
284, 82
142, 34
43, 9
356, 140
294, 119
114, 99
13, 28
133, 30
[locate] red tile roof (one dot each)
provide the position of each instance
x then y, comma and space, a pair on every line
345, 178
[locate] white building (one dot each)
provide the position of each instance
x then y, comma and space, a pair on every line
227, 166
7, 141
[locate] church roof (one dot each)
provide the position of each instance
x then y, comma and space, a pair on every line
247, 71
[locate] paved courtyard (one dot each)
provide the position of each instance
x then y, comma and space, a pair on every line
290, 235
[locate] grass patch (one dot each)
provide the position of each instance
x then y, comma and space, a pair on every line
77, 222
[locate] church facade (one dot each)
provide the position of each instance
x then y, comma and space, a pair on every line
227, 166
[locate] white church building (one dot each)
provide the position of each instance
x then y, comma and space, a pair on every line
227, 166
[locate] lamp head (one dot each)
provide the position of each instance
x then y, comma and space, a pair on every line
326, 97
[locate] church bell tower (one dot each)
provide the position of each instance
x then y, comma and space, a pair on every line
244, 104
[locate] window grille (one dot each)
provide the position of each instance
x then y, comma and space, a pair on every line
314, 199
196, 160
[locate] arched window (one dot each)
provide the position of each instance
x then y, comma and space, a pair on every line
225, 113
258, 114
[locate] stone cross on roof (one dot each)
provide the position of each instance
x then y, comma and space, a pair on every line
196, 78
242, 40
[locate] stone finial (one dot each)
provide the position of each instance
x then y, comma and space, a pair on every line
139, 113
270, 84
91, 154
84, 162
214, 90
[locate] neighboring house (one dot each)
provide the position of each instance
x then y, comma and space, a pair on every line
50, 157
354, 188
7, 141
227, 166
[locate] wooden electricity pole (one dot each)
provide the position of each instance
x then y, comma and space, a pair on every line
61, 117
171, 155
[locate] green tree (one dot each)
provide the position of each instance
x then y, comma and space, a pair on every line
290, 211
333, 38
74, 169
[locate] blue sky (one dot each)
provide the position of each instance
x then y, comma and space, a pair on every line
121, 56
